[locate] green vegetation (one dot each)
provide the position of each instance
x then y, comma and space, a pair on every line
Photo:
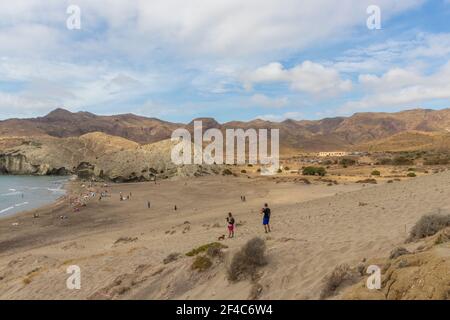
385, 161
371, 181
411, 175
436, 161
201, 263
376, 173
402, 161
347, 162
227, 172
204, 248
312, 171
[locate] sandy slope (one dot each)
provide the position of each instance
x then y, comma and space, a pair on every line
315, 228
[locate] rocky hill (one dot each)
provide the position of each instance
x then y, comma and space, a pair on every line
133, 148
94, 155
339, 133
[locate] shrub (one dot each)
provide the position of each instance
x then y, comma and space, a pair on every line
372, 181
397, 252
245, 262
201, 263
402, 161
312, 171
305, 181
227, 172
436, 161
376, 173
279, 171
214, 252
204, 248
347, 162
411, 175
243, 171
286, 168
340, 275
428, 225
171, 257
385, 161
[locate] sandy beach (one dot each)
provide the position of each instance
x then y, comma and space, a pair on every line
120, 245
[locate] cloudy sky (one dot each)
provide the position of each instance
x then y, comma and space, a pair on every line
228, 59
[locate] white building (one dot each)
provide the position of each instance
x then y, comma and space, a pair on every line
333, 154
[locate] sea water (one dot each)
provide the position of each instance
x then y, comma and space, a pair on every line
22, 193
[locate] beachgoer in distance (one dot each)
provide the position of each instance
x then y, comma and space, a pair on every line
148, 204
266, 217
231, 223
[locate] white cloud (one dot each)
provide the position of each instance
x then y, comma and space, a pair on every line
281, 117
163, 45
261, 100
221, 27
380, 57
306, 77
401, 87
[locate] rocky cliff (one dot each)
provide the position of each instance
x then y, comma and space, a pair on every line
94, 155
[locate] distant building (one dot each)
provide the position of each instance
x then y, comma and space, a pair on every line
334, 154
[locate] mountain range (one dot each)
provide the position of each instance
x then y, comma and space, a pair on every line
417, 128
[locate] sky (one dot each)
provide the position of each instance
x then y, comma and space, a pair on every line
229, 59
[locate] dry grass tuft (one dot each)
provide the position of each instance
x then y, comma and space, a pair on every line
340, 276
245, 262
397, 252
428, 225
171, 257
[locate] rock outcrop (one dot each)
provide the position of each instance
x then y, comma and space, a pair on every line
421, 274
95, 156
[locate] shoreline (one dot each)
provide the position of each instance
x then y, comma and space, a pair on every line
314, 228
66, 188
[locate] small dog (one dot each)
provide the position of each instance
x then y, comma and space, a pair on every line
222, 237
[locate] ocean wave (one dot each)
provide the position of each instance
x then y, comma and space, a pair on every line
7, 209
21, 204
10, 194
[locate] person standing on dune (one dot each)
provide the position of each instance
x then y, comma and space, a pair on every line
266, 217
231, 222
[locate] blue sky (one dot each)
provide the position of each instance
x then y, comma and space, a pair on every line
228, 59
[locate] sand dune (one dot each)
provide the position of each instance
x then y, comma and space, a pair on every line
120, 245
